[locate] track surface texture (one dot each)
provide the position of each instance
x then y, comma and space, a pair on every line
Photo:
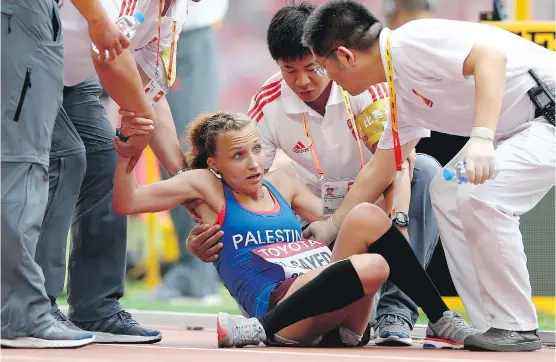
179, 344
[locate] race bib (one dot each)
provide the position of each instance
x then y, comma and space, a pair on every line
296, 258
333, 193
154, 92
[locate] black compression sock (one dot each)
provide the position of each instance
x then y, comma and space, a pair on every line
335, 287
408, 274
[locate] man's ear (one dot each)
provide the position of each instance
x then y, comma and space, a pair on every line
345, 56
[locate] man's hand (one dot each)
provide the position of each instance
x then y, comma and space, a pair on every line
203, 242
108, 39
135, 126
191, 206
480, 160
139, 131
322, 231
103, 32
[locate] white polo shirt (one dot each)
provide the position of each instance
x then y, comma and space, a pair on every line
78, 65
278, 112
432, 93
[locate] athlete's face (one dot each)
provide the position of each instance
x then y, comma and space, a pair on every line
301, 77
240, 159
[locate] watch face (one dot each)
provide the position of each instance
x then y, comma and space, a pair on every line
401, 217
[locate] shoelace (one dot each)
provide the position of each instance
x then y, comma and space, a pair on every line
127, 319
62, 319
246, 333
460, 323
395, 321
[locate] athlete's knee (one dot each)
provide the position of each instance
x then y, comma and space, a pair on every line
368, 219
373, 271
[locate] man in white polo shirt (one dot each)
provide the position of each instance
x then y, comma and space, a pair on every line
298, 96
464, 79
82, 164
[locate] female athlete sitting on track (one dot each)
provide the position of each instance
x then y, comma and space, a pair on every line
264, 263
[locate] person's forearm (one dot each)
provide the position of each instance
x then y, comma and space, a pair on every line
164, 141
369, 184
371, 181
92, 10
125, 186
403, 188
121, 80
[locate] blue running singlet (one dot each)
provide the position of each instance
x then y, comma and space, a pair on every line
249, 278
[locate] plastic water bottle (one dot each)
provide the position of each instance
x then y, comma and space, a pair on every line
451, 174
127, 25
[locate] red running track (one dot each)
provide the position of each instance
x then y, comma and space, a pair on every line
179, 345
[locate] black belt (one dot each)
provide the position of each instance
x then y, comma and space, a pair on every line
542, 98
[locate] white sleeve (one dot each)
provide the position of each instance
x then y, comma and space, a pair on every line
432, 48
267, 140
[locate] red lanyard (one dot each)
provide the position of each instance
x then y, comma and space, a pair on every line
313, 149
393, 109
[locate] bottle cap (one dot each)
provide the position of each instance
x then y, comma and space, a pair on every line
449, 174
139, 17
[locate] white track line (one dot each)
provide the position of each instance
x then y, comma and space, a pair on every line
264, 351
57, 359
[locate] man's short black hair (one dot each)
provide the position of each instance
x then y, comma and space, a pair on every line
341, 23
286, 30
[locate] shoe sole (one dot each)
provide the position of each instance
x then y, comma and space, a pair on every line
38, 343
438, 343
518, 347
393, 341
109, 338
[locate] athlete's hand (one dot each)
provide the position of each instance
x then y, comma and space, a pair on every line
480, 160
203, 242
322, 231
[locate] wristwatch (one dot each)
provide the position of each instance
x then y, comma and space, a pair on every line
401, 219
121, 136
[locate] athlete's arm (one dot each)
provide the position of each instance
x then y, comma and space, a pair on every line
304, 202
129, 198
103, 32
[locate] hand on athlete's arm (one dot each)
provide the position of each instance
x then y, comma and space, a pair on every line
204, 242
135, 129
